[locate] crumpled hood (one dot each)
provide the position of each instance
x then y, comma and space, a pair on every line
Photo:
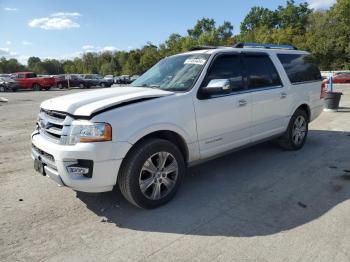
90, 102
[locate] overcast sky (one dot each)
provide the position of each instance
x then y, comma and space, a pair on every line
64, 28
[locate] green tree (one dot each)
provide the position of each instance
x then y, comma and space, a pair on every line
32, 61
259, 17
293, 16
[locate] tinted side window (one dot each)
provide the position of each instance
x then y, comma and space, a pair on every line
261, 71
31, 75
20, 75
227, 67
300, 68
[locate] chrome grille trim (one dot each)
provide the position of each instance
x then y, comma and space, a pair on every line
54, 125
44, 157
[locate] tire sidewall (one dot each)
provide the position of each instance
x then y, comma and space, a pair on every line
139, 157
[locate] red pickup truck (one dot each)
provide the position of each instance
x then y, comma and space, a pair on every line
29, 80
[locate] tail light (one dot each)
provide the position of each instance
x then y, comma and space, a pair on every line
323, 89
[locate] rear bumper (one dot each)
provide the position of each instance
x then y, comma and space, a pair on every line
106, 156
316, 111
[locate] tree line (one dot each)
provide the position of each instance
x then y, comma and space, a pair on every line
325, 33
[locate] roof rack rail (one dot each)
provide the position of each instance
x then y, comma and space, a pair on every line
201, 47
266, 46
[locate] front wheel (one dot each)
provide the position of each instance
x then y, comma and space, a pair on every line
2, 88
151, 173
296, 134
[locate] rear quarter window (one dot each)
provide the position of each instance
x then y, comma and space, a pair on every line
300, 68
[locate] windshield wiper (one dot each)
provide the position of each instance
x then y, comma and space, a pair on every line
150, 86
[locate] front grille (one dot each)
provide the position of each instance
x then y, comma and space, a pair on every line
46, 158
52, 124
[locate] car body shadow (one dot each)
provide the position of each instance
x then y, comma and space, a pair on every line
261, 190
343, 109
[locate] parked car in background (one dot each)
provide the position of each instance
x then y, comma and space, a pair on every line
343, 78
75, 80
133, 78
124, 79
29, 80
96, 80
109, 78
5, 75
339, 78
8, 84
60, 81
116, 79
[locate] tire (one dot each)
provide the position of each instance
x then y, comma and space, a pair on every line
2, 88
60, 86
143, 166
103, 85
295, 136
36, 87
81, 85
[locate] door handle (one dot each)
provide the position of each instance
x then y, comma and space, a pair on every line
283, 95
242, 102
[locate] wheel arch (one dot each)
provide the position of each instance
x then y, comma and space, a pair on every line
306, 108
169, 135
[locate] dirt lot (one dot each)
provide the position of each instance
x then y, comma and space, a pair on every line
259, 204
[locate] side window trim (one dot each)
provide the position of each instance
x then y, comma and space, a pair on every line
246, 76
305, 82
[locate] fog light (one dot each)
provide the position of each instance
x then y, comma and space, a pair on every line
76, 170
83, 167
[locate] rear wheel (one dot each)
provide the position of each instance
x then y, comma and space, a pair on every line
36, 87
296, 134
60, 86
2, 88
152, 173
103, 85
81, 85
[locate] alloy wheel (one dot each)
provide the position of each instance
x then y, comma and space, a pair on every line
158, 175
299, 130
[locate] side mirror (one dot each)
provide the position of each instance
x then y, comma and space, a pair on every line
218, 87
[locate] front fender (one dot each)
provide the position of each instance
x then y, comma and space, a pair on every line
139, 134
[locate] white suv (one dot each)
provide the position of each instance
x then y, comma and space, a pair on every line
187, 108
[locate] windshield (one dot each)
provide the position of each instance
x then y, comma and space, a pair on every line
176, 73
6, 79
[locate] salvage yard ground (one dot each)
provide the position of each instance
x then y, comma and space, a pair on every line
259, 204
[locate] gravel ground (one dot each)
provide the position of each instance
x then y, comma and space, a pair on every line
259, 204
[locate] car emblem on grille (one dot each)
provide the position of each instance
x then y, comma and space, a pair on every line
44, 124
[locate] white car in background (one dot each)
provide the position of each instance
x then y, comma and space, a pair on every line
186, 109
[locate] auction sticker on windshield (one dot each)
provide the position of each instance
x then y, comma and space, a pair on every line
195, 61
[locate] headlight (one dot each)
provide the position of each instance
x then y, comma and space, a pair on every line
86, 131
